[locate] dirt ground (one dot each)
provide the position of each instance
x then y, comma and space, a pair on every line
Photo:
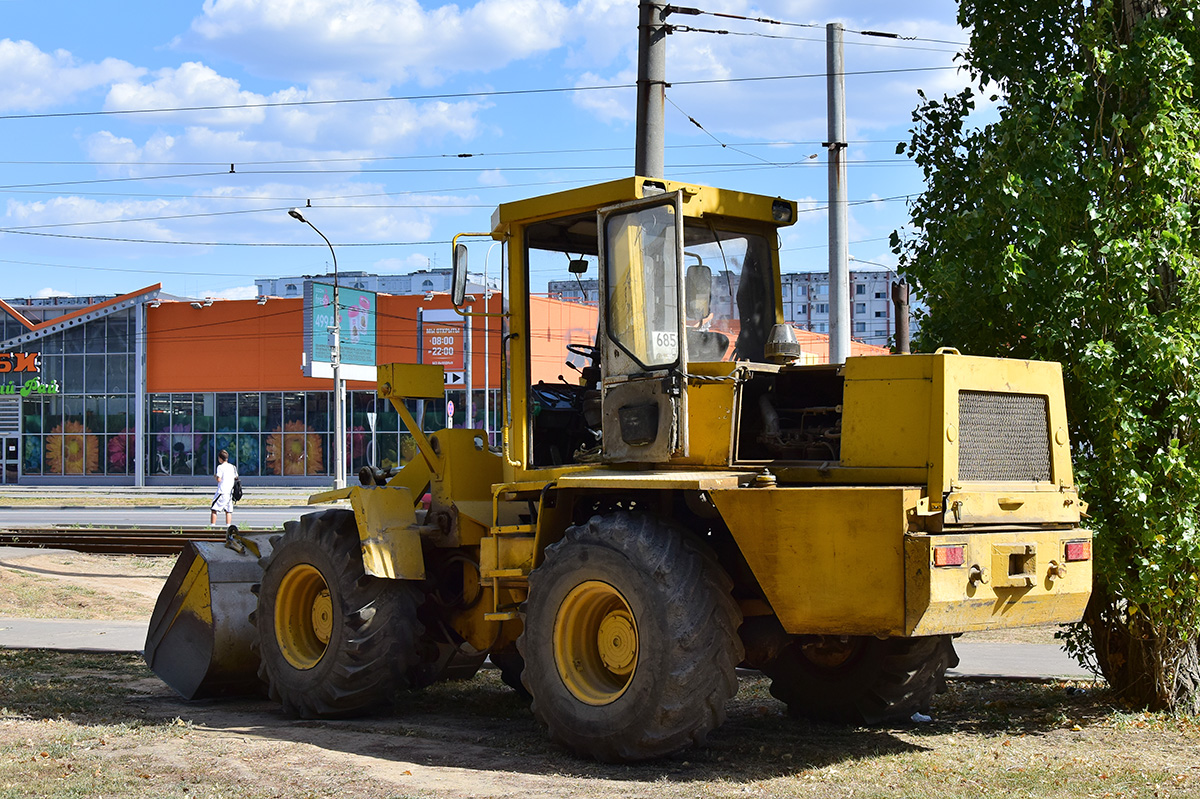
69, 585
104, 725
95, 725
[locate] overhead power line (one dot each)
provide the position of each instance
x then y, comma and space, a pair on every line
693, 12
721, 32
371, 158
447, 95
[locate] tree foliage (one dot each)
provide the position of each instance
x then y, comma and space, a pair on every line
1068, 230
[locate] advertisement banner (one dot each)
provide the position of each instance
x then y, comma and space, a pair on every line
357, 331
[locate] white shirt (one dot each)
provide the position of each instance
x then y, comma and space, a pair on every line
226, 474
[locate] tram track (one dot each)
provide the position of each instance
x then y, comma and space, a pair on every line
160, 541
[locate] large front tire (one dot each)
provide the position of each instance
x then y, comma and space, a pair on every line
860, 679
630, 640
333, 642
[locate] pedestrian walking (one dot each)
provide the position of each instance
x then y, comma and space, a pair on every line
223, 499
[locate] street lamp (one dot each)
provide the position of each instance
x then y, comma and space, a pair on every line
335, 357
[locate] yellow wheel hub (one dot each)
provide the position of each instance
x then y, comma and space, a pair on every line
303, 616
595, 643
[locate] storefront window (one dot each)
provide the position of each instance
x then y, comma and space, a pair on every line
226, 413
248, 413
73, 340
94, 373
94, 335
120, 445
272, 413
73, 374
118, 367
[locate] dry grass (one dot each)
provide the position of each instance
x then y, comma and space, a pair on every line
102, 725
69, 585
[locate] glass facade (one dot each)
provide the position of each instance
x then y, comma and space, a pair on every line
87, 427
283, 434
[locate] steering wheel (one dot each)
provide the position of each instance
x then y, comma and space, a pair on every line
589, 351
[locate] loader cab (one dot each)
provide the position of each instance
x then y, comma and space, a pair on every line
611, 292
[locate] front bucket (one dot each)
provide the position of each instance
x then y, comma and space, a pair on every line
200, 635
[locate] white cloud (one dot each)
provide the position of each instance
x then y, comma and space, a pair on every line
190, 85
64, 211
34, 79
51, 292
387, 39
235, 293
314, 131
493, 177
608, 105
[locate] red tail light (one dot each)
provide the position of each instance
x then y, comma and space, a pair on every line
948, 556
1078, 550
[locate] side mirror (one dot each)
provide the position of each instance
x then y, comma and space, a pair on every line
577, 266
697, 289
458, 283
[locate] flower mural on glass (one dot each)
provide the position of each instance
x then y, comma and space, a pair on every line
247, 455
33, 455
119, 446
294, 450
70, 449
175, 450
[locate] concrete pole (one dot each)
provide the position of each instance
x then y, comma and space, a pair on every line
467, 377
651, 88
335, 356
839, 253
900, 299
141, 422
339, 388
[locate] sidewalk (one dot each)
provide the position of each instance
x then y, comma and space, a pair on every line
148, 494
73, 635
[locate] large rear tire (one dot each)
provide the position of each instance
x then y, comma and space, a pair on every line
333, 642
630, 640
860, 680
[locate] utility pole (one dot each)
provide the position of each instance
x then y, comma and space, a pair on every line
900, 299
335, 357
651, 88
839, 252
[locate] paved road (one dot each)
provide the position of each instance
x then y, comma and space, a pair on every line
159, 516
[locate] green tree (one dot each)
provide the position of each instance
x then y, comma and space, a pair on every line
1068, 230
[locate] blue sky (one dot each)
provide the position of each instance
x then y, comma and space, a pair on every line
98, 203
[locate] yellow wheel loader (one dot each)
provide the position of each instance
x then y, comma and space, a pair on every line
696, 499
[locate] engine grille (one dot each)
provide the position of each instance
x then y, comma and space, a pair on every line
1003, 437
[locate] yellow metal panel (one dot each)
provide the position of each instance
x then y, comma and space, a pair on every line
698, 200
332, 495
197, 593
999, 375
1020, 503
885, 422
945, 600
411, 381
830, 560
657, 480
471, 468
505, 556
710, 422
388, 530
